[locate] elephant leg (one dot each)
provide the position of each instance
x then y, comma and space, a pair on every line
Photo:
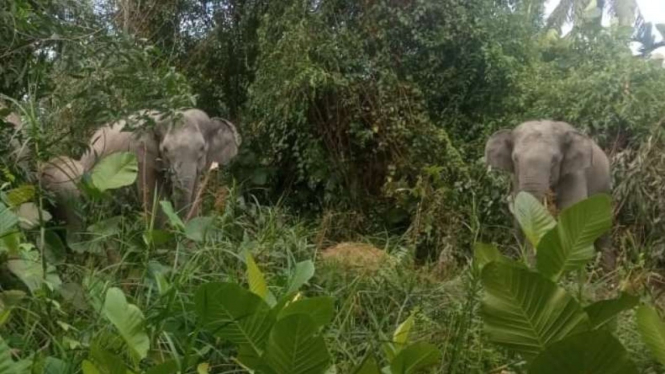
608, 255
147, 178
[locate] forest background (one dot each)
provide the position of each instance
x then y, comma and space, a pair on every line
361, 121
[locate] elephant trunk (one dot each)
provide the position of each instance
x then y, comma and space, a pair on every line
184, 189
537, 186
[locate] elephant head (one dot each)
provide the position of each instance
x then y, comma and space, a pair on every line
188, 145
539, 154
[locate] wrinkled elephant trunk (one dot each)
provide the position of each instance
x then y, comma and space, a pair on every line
184, 189
536, 185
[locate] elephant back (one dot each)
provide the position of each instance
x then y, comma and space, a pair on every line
61, 175
115, 138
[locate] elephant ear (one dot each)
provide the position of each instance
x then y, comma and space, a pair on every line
578, 153
499, 149
223, 141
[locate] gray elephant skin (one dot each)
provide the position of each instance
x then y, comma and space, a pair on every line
172, 153
549, 155
61, 175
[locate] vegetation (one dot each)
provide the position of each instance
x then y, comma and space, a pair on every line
363, 123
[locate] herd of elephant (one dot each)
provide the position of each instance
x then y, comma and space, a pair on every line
172, 154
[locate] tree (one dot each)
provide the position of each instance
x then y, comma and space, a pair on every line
574, 11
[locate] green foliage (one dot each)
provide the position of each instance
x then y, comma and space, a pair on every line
528, 313
282, 338
569, 246
652, 330
114, 171
129, 321
589, 352
294, 346
533, 218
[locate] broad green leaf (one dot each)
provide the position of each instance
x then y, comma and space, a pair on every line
248, 358
128, 320
89, 368
30, 271
415, 358
114, 171
174, 219
234, 313
602, 312
652, 330
7, 364
483, 254
168, 367
8, 220
257, 282
592, 352
107, 227
368, 366
101, 361
570, 245
400, 337
20, 195
202, 368
526, 312
56, 366
197, 228
11, 242
321, 309
533, 218
294, 347
304, 271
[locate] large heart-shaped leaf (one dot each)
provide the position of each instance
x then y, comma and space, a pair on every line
197, 228
570, 245
295, 347
368, 366
532, 216
602, 312
526, 312
652, 330
483, 254
30, 270
235, 314
128, 320
101, 361
400, 337
114, 171
20, 195
415, 358
321, 309
592, 352
8, 220
257, 282
302, 273
173, 217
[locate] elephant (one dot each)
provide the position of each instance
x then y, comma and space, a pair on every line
60, 176
549, 155
172, 154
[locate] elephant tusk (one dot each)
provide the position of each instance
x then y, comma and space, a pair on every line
214, 166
